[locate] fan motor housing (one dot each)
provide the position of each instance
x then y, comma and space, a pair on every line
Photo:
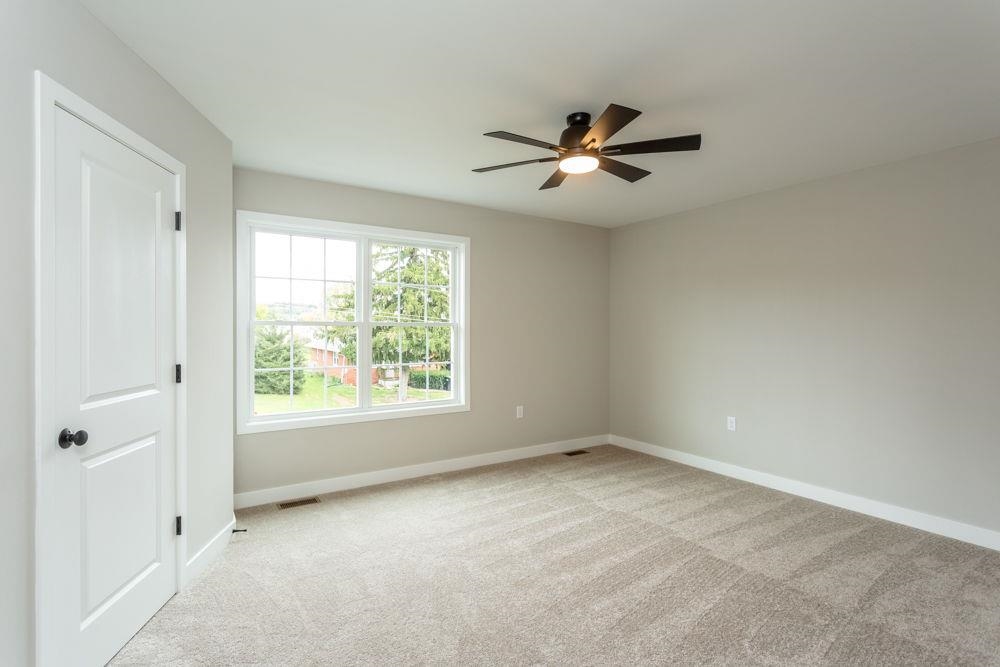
578, 126
580, 150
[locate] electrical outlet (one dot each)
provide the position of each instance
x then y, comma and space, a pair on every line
519, 412
731, 423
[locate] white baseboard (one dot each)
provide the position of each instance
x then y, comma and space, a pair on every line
304, 489
208, 553
983, 537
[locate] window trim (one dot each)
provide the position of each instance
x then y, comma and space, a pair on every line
249, 221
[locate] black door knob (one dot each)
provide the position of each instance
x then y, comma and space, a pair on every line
67, 438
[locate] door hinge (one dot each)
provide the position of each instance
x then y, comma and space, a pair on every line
177, 373
177, 220
177, 525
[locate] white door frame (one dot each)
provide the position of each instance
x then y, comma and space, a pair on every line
49, 96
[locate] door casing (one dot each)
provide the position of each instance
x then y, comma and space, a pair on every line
49, 95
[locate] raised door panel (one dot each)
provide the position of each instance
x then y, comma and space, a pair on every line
121, 218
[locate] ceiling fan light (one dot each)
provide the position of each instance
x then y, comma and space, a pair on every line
578, 164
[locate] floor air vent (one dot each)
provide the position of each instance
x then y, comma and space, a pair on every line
297, 503
576, 452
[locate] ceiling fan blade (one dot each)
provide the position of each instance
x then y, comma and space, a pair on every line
689, 142
555, 180
614, 118
510, 136
514, 164
622, 170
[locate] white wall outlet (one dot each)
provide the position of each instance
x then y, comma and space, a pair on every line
731, 423
519, 412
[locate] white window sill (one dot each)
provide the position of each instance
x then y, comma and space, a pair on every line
305, 420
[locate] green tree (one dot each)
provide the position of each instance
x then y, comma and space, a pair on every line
348, 338
341, 307
398, 295
410, 285
271, 350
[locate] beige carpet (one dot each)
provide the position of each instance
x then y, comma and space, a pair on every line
612, 557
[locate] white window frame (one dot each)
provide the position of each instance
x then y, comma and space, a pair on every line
248, 222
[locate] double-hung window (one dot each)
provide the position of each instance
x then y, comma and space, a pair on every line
340, 322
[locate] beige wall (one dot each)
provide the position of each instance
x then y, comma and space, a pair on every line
538, 337
67, 43
852, 325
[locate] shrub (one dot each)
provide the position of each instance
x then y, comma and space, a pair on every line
436, 380
277, 382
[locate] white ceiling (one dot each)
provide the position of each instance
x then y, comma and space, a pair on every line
396, 95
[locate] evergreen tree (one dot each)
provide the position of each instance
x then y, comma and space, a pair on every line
271, 350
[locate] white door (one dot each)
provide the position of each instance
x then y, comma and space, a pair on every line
107, 556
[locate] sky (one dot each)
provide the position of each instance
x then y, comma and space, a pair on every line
307, 261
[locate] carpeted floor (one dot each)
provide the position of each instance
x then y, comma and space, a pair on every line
612, 557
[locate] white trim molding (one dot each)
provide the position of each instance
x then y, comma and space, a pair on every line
248, 223
332, 484
208, 553
930, 523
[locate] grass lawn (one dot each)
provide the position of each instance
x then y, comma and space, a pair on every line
337, 396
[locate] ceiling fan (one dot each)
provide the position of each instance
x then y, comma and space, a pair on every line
582, 147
